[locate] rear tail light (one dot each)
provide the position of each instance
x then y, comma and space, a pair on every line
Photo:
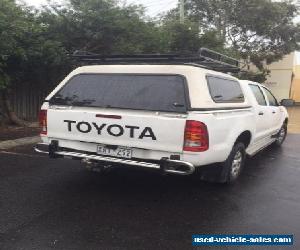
195, 137
43, 121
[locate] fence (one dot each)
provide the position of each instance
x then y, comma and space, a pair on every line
26, 99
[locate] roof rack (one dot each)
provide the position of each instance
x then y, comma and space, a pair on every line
205, 58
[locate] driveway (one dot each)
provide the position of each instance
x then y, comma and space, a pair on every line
294, 119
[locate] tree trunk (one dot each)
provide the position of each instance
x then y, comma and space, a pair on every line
7, 111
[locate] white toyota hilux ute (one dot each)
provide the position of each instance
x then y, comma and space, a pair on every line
173, 118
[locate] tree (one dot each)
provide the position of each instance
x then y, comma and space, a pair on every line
101, 26
187, 37
35, 45
26, 52
13, 29
261, 30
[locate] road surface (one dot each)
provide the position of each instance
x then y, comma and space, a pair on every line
57, 204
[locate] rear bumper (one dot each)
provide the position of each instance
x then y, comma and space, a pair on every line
164, 165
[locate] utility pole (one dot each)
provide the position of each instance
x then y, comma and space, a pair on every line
181, 10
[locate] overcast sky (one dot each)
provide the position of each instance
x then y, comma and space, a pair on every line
153, 7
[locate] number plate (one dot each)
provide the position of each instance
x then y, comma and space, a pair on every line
121, 152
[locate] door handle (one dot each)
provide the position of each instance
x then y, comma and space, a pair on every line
273, 112
261, 113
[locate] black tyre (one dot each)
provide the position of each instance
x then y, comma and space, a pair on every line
232, 167
281, 135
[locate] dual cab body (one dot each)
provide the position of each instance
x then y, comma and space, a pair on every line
140, 115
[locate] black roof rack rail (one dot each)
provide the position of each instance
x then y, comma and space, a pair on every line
205, 58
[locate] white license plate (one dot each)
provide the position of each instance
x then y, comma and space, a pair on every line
121, 152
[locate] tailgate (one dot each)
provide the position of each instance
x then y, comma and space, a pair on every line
131, 128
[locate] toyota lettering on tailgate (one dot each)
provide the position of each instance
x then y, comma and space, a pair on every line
113, 129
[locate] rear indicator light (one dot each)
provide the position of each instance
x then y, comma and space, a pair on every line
43, 122
195, 137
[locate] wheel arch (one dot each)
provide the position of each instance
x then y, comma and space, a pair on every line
244, 137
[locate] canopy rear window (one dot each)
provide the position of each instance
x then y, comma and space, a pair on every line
126, 91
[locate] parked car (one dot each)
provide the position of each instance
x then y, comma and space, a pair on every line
171, 117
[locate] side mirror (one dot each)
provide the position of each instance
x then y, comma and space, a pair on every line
287, 102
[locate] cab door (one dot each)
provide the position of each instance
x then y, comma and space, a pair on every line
262, 128
273, 112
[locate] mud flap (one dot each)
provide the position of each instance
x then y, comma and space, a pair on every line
212, 173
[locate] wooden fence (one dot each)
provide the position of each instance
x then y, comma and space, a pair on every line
26, 100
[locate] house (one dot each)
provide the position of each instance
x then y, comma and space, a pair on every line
284, 78
295, 88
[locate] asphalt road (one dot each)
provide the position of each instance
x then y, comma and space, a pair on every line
57, 204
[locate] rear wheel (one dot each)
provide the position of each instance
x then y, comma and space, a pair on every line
232, 167
281, 135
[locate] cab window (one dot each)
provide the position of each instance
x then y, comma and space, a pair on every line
225, 90
259, 96
271, 98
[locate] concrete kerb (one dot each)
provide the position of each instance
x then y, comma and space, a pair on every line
19, 142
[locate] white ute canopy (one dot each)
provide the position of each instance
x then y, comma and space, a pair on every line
120, 109
151, 111
127, 106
